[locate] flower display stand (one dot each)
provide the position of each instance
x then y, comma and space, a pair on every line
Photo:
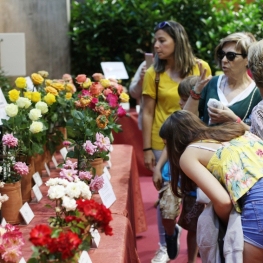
10, 208
98, 165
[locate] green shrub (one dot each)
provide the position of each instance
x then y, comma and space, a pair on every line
112, 30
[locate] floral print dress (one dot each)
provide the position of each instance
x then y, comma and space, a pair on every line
238, 165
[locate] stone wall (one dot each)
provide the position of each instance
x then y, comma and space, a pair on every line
45, 24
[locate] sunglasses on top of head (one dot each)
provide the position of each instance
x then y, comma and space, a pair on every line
229, 55
162, 25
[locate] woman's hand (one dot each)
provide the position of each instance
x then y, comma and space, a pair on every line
149, 160
203, 80
157, 178
221, 115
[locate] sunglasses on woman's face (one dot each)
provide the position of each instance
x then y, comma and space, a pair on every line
162, 25
229, 55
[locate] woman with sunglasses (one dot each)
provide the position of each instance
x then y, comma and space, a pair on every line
226, 162
173, 61
235, 89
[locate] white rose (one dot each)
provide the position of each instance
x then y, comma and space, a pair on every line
72, 190
34, 114
56, 192
42, 106
69, 203
36, 127
11, 110
84, 188
23, 102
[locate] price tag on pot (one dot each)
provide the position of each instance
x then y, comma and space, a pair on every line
37, 192
3, 223
47, 169
26, 212
64, 152
37, 178
95, 238
106, 193
22, 260
84, 257
54, 161
106, 171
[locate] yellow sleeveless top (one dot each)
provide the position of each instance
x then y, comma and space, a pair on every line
238, 165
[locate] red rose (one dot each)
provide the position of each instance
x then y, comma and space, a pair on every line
40, 235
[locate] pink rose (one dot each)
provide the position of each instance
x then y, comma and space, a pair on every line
97, 76
121, 112
67, 77
89, 147
81, 78
113, 100
107, 91
21, 168
93, 103
9, 140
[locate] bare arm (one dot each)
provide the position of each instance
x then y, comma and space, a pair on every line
147, 123
135, 88
192, 104
157, 175
192, 167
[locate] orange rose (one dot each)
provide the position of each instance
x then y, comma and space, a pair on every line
37, 79
95, 89
51, 90
102, 121
97, 76
81, 78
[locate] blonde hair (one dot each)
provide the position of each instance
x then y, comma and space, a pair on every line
242, 40
186, 85
255, 62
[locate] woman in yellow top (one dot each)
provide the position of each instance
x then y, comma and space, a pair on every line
174, 60
226, 162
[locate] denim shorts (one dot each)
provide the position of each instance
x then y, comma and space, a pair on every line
252, 215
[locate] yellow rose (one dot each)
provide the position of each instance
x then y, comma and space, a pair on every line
50, 99
48, 82
37, 79
43, 73
13, 95
87, 83
35, 96
20, 82
68, 96
58, 86
51, 90
124, 97
70, 87
36, 127
28, 94
105, 83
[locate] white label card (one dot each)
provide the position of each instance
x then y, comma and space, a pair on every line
95, 238
3, 104
54, 161
106, 171
37, 178
108, 164
47, 169
26, 212
64, 152
3, 223
106, 193
37, 192
22, 260
84, 257
114, 70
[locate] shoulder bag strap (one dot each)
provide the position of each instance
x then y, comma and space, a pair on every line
157, 80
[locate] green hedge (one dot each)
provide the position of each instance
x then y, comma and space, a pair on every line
109, 30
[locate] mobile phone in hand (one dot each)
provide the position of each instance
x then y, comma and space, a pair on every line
148, 59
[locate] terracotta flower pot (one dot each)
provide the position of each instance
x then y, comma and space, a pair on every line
10, 208
98, 165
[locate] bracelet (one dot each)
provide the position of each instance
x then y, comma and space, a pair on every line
238, 120
195, 95
147, 149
